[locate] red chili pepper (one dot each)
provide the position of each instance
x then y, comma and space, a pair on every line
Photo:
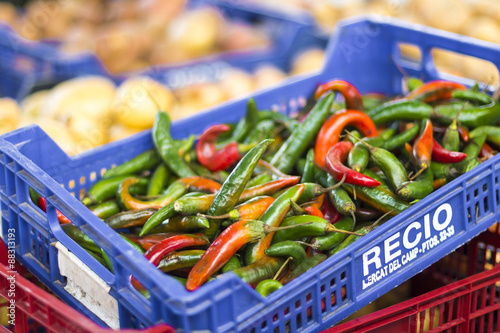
486, 151
352, 97
422, 148
167, 245
335, 167
439, 154
329, 133
224, 247
147, 242
60, 216
435, 90
330, 213
201, 184
209, 156
464, 133
314, 211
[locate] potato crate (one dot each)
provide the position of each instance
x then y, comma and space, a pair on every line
467, 299
43, 62
363, 51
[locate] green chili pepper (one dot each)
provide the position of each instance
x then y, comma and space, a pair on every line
392, 168
165, 145
158, 180
387, 134
379, 198
358, 157
106, 189
267, 287
264, 268
376, 176
105, 209
164, 213
181, 223
492, 133
285, 120
413, 83
248, 123
231, 265
350, 239
399, 140
309, 168
263, 130
231, 189
442, 170
272, 217
372, 101
472, 150
107, 262
97, 257
470, 115
287, 249
301, 137
134, 245
305, 266
184, 146
142, 162
400, 110
329, 241
338, 196
34, 196
419, 188
259, 180
180, 259
80, 237
130, 218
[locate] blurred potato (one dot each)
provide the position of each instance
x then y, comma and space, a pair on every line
7, 13
91, 96
266, 76
88, 131
118, 132
32, 105
448, 15
237, 83
58, 132
309, 61
10, 115
485, 28
239, 36
138, 100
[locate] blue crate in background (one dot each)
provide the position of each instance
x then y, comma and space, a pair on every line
289, 35
361, 51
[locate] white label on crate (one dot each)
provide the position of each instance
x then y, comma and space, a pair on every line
402, 247
87, 287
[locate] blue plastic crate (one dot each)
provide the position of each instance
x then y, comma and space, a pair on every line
361, 51
289, 36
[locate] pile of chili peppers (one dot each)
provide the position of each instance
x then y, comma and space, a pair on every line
270, 197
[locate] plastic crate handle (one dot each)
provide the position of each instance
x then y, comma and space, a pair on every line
365, 28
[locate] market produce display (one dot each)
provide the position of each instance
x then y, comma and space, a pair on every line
271, 197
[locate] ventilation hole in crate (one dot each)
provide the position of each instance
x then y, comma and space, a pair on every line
342, 276
275, 318
332, 282
410, 52
496, 180
485, 188
287, 310
297, 304
263, 325
476, 193
253, 330
103, 170
276, 330
485, 204
82, 180
477, 212
33, 246
333, 299
298, 320
93, 176
72, 193
71, 184
323, 305
308, 297
287, 326
497, 197
467, 197
468, 214
343, 293
82, 193
322, 288
309, 314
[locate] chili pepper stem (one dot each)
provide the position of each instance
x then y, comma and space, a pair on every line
353, 216
309, 203
331, 228
219, 217
354, 192
328, 189
281, 268
314, 247
422, 169
380, 219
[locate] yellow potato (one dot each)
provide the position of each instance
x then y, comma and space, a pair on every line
32, 105
483, 27
325, 14
448, 15
118, 132
201, 96
266, 76
239, 37
309, 61
60, 134
91, 96
7, 13
237, 83
134, 106
10, 115
88, 131
196, 32
487, 8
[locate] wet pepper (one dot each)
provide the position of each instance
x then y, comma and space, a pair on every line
352, 97
435, 90
209, 156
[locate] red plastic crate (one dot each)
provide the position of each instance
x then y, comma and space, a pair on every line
467, 300
36, 309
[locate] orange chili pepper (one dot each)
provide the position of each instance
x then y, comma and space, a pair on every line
422, 148
440, 182
201, 184
311, 210
60, 216
464, 133
352, 97
435, 90
329, 133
